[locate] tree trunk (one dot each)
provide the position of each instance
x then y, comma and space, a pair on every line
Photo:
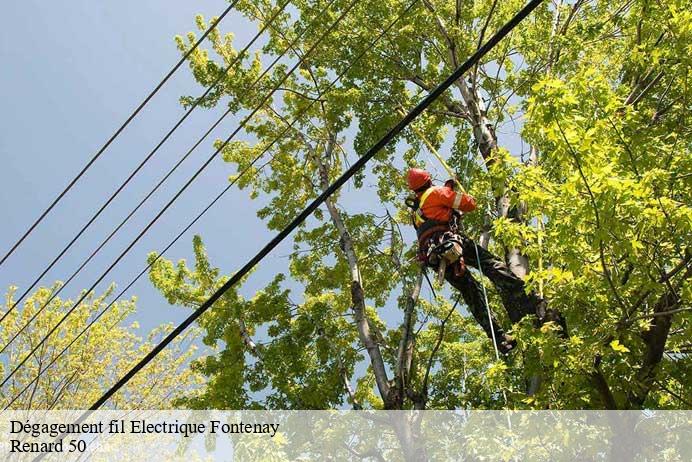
655, 340
357, 291
409, 436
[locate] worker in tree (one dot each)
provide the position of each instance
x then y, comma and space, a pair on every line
443, 247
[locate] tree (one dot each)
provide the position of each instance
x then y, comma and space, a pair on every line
594, 211
77, 378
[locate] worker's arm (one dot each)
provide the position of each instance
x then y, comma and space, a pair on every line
464, 202
457, 200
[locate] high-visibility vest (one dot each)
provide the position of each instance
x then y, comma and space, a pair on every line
427, 227
419, 218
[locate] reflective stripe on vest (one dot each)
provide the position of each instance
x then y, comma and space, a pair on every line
419, 217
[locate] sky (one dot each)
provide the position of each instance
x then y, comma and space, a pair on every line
72, 73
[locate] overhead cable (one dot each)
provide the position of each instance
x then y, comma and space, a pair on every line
117, 133
302, 216
180, 191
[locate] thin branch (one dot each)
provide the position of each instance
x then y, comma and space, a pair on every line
440, 336
660, 313
481, 37
674, 395
302, 95
647, 88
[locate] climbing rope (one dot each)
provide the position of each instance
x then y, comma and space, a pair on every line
434, 152
487, 305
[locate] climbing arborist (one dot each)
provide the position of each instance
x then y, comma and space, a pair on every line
443, 247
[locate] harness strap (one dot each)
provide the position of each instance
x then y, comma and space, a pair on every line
429, 228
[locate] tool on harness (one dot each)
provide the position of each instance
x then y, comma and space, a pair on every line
445, 249
445, 252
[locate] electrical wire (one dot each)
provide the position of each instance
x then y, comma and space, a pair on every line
158, 185
216, 199
180, 192
116, 134
144, 162
339, 182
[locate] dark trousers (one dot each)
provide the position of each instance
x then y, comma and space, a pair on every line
511, 289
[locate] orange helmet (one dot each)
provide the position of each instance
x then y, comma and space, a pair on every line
417, 178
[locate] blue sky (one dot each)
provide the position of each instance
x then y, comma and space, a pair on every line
72, 73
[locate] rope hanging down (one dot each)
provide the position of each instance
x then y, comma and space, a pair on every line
144, 161
158, 185
216, 199
181, 190
298, 220
117, 133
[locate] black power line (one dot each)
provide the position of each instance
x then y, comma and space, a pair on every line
180, 192
115, 194
158, 185
214, 201
298, 220
116, 134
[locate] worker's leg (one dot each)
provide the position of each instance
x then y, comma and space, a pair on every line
511, 288
472, 293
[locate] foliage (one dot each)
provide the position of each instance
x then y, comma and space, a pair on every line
93, 363
579, 118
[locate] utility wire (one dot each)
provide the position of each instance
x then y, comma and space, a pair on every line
117, 133
298, 220
146, 159
158, 185
185, 186
216, 199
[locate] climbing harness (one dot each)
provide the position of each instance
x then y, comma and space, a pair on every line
447, 251
440, 243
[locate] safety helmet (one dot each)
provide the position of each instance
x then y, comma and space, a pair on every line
417, 178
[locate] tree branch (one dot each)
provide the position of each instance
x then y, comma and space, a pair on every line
357, 291
440, 336
655, 339
602, 385
405, 354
